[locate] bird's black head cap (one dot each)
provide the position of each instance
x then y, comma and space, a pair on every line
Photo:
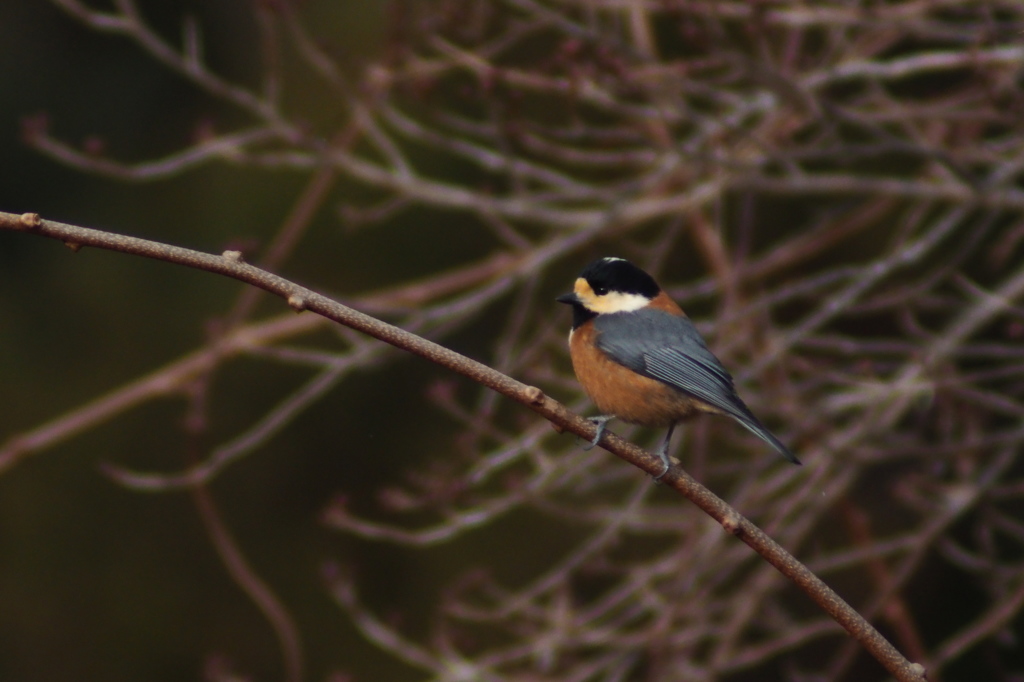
618, 274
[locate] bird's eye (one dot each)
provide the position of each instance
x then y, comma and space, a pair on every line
600, 291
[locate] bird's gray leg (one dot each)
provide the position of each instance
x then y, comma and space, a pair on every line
601, 423
663, 453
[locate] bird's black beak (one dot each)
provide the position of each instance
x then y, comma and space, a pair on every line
571, 299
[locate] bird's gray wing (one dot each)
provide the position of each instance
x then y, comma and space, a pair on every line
669, 348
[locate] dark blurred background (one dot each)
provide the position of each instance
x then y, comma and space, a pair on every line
100, 583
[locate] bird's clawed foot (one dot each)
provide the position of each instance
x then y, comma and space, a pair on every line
601, 423
663, 454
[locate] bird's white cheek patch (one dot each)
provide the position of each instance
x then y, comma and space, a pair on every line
618, 302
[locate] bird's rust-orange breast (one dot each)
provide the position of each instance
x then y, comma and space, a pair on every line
617, 390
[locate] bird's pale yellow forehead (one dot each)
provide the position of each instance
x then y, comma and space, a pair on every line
583, 290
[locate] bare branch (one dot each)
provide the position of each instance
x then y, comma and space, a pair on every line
303, 299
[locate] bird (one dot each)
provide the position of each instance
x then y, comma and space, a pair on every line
640, 358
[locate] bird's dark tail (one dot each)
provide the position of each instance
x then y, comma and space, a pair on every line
757, 428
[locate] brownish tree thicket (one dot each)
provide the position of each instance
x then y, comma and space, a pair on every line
832, 190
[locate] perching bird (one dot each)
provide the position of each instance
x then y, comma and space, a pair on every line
640, 359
